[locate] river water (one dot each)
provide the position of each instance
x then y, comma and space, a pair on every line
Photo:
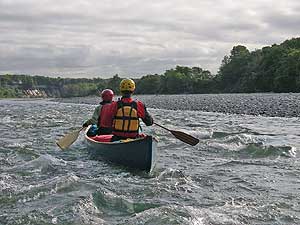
245, 170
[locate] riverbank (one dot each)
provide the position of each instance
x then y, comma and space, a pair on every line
259, 104
263, 104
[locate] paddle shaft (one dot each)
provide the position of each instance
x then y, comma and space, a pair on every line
182, 136
162, 127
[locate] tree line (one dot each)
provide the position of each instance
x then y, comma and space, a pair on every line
273, 68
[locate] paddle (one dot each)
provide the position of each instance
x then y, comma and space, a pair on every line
69, 139
182, 136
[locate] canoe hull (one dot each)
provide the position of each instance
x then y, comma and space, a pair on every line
136, 154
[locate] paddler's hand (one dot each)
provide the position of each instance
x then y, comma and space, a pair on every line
86, 124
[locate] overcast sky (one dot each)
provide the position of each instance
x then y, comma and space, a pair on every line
91, 38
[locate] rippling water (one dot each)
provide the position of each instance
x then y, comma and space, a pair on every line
245, 170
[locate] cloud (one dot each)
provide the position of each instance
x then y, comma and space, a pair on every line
134, 38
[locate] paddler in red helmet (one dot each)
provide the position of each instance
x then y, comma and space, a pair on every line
102, 116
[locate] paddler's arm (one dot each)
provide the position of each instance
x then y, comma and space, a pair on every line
144, 114
95, 117
148, 120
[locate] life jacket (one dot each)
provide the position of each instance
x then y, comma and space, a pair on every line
105, 120
126, 121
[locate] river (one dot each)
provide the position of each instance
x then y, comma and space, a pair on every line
245, 170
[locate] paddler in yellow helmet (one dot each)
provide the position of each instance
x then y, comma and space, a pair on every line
126, 113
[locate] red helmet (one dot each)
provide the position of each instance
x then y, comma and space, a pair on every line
107, 95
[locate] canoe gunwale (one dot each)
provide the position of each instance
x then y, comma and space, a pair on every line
112, 143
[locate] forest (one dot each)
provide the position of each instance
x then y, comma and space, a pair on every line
273, 68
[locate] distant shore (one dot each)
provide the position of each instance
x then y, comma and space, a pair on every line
263, 104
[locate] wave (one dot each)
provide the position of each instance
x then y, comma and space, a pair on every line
113, 204
44, 164
258, 150
249, 146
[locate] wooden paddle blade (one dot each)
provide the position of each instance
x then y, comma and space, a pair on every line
185, 137
68, 139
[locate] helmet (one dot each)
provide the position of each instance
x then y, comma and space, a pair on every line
107, 95
127, 85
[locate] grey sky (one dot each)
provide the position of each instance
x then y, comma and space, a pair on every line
80, 38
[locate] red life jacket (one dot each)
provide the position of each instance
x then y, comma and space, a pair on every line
126, 120
105, 117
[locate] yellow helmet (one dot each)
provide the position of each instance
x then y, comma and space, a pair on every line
127, 85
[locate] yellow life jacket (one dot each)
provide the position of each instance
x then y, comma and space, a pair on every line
126, 119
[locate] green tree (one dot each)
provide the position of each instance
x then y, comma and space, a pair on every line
233, 68
287, 74
114, 83
148, 84
172, 82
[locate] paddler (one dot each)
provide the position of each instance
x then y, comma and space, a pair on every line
126, 113
102, 116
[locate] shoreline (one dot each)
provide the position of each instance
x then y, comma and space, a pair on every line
258, 104
265, 104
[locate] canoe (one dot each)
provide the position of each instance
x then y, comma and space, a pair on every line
137, 153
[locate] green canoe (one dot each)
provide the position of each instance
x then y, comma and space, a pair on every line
137, 153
